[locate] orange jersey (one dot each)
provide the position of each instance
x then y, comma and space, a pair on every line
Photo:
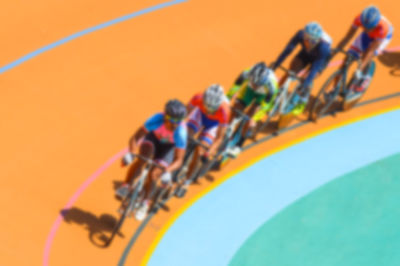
380, 32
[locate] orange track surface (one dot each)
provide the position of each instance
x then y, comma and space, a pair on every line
65, 112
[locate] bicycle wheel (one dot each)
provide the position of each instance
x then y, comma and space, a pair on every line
236, 136
357, 88
327, 96
125, 206
271, 114
128, 204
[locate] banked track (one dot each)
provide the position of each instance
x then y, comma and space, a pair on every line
145, 222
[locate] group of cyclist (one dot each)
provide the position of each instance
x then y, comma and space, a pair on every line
164, 136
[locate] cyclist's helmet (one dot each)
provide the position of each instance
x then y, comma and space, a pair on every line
313, 31
370, 17
175, 109
213, 97
259, 74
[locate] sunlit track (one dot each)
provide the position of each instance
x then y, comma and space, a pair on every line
79, 77
143, 225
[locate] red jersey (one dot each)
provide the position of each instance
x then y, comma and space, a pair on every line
221, 115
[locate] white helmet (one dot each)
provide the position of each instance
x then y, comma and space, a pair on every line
213, 97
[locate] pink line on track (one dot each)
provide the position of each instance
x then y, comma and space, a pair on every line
73, 199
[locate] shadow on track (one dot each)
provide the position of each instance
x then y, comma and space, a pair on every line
391, 60
96, 226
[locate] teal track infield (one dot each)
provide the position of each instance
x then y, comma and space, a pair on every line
330, 200
350, 221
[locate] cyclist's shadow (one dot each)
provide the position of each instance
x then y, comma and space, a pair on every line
97, 226
391, 60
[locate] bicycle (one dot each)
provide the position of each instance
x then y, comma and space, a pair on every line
232, 137
335, 86
130, 203
282, 100
180, 190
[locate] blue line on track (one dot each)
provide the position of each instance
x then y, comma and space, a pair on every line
87, 31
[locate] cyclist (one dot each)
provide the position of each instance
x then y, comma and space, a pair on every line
315, 52
210, 113
376, 35
163, 138
256, 89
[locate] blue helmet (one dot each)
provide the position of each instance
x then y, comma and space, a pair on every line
370, 17
313, 31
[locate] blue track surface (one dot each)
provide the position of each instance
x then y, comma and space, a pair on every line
214, 228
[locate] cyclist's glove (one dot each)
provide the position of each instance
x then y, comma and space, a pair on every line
128, 159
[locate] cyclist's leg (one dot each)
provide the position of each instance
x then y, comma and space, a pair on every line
146, 149
244, 98
254, 107
296, 65
206, 137
358, 49
164, 156
194, 122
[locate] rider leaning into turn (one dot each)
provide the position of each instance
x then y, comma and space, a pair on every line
376, 35
210, 113
315, 52
163, 138
256, 89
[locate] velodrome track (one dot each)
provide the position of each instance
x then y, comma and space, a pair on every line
69, 109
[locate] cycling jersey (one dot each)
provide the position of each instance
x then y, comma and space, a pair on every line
262, 93
317, 56
383, 32
178, 137
221, 116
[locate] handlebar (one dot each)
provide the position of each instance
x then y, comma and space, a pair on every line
149, 161
348, 55
240, 113
198, 142
291, 73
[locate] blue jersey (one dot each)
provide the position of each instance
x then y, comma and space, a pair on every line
317, 56
178, 137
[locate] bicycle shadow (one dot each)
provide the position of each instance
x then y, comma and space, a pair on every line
117, 184
97, 226
391, 60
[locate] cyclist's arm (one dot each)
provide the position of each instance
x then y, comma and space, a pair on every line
133, 141
289, 48
236, 86
189, 108
152, 123
349, 35
195, 101
180, 139
178, 160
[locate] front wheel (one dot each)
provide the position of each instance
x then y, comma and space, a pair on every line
327, 96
